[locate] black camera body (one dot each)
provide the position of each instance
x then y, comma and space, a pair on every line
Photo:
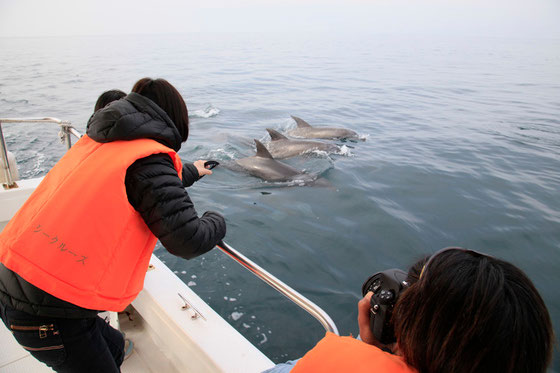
386, 287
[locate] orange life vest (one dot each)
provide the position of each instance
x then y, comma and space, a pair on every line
346, 354
77, 237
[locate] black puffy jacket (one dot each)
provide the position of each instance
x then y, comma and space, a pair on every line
153, 189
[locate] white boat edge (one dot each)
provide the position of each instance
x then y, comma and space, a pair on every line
207, 343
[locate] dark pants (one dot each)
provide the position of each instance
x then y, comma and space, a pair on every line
67, 345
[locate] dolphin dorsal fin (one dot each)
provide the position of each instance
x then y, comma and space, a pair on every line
262, 151
275, 135
300, 122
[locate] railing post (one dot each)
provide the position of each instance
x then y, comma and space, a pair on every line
65, 134
66, 131
10, 183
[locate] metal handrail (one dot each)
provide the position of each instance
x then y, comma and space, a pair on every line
313, 309
66, 130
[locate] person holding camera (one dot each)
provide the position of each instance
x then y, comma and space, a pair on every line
462, 312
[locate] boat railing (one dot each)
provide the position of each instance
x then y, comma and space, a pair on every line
304, 303
66, 130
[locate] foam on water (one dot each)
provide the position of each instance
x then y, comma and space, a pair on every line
236, 315
264, 339
345, 151
208, 112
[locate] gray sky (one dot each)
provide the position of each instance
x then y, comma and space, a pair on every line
540, 18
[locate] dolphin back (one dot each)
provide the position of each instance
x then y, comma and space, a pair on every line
262, 151
275, 135
300, 122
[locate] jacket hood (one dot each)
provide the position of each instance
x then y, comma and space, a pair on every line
133, 117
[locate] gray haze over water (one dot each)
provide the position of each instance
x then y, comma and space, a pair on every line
462, 147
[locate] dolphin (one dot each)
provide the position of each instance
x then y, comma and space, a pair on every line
305, 130
264, 166
282, 147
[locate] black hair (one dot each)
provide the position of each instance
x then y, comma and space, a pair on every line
107, 97
169, 99
470, 312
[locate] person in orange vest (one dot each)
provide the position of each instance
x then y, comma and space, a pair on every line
465, 313
82, 241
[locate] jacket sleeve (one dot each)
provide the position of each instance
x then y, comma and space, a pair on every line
190, 174
156, 192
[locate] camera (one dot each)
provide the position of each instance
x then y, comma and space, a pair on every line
386, 287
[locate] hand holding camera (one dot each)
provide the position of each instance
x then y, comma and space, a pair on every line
381, 292
366, 333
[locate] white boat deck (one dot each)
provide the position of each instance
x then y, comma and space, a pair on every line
147, 355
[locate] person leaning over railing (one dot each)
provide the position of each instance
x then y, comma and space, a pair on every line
83, 240
467, 313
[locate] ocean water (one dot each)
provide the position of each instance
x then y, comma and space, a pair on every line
461, 148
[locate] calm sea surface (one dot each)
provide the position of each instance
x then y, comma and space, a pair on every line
462, 147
